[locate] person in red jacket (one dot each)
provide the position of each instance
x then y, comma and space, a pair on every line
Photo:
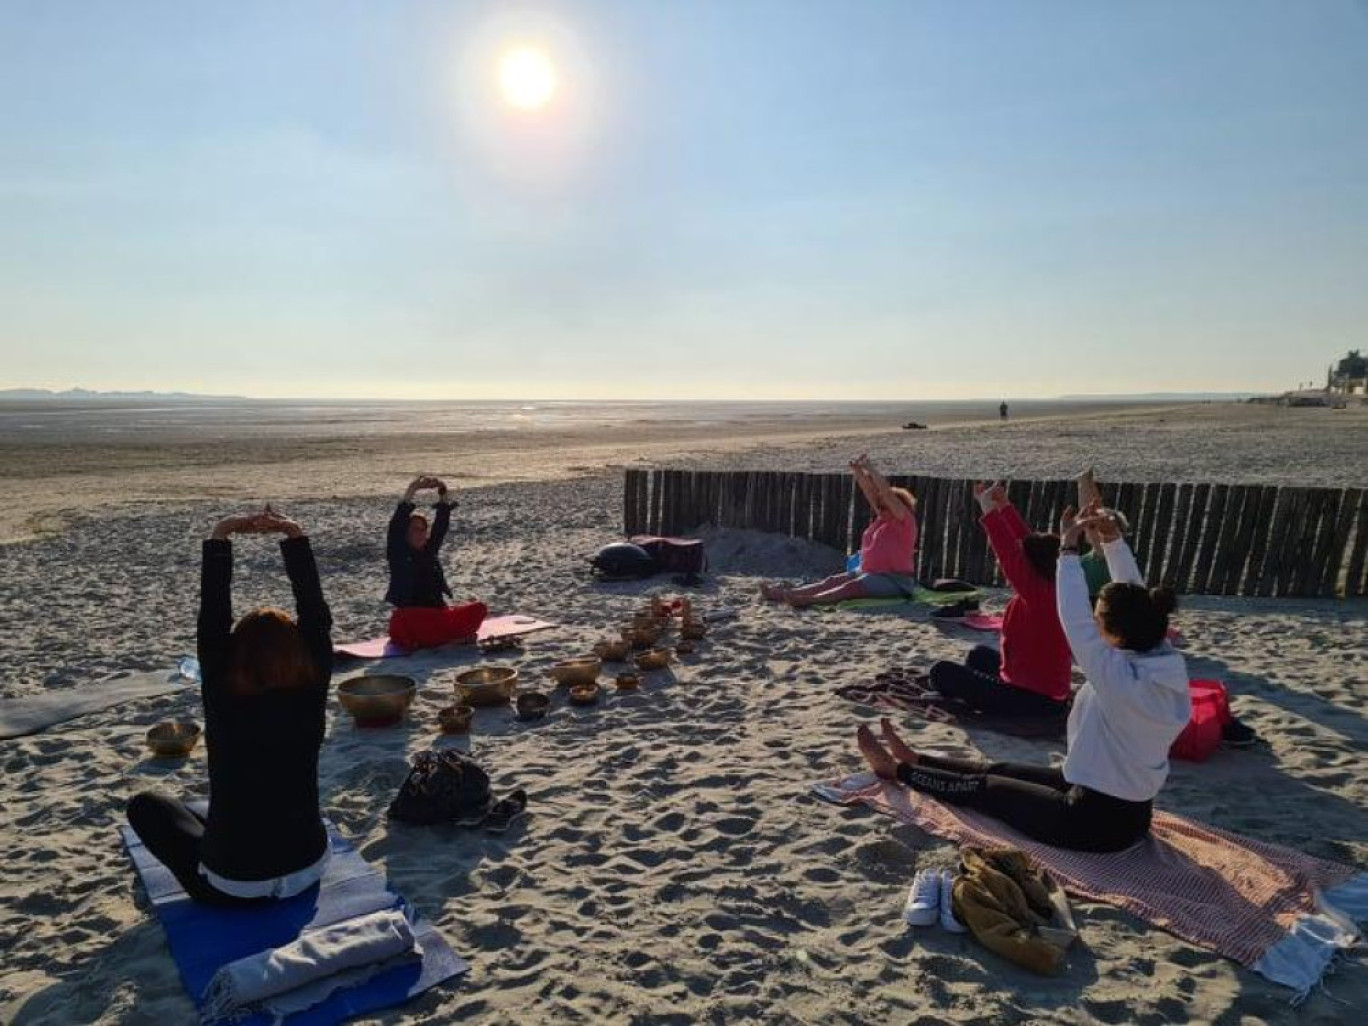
1032, 674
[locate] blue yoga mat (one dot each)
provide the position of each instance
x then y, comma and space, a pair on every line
203, 937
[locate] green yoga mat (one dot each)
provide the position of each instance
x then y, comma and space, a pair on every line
921, 597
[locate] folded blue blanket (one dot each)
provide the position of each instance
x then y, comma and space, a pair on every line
204, 938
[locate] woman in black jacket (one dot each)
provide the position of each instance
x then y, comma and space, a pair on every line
417, 585
265, 688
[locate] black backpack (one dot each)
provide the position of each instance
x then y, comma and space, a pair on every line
623, 562
442, 787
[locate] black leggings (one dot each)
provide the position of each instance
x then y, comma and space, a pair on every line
1036, 800
978, 684
172, 831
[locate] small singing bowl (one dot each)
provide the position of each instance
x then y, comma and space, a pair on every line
377, 700
640, 637
684, 648
577, 671
627, 681
613, 651
486, 686
173, 739
532, 705
655, 659
695, 631
584, 694
455, 719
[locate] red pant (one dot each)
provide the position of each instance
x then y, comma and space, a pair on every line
432, 626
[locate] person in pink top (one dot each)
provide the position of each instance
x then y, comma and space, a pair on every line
887, 549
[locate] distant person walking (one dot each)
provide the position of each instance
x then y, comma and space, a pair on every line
1002, 411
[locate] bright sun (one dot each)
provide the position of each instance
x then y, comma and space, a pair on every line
527, 78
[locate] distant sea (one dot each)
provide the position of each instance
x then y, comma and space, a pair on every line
151, 419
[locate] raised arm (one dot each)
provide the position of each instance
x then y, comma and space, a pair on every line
1102, 523
994, 498
867, 488
1121, 564
878, 492
398, 525
215, 626
441, 520
395, 535
1005, 529
1006, 543
1106, 668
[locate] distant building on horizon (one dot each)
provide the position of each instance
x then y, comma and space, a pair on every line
1349, 377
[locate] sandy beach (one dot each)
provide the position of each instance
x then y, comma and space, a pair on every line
673, 867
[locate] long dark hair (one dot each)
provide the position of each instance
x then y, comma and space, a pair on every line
268, 654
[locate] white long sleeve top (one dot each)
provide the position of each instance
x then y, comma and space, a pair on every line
1133, 705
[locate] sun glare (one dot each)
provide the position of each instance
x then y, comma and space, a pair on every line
527, 78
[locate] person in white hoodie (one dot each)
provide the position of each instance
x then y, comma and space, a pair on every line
1124, 719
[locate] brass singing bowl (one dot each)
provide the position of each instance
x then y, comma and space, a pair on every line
655, 659
173, 739
455, 719
613, 651
584, 694
577, 671
377, 700
486, 686
640, 637
627, 681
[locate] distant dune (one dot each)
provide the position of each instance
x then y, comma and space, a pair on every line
86, 393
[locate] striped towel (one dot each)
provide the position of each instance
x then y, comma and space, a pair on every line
1280, 912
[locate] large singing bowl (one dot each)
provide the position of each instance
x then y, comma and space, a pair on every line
487, 685
377, 700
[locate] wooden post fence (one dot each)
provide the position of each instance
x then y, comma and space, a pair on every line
1201, 539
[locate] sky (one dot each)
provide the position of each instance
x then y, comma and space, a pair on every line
734, 199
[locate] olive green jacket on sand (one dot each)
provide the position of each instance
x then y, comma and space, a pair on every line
1014, 908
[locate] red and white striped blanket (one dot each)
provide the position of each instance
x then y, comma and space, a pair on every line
1231, 894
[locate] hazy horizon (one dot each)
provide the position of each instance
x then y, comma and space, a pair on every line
708, 202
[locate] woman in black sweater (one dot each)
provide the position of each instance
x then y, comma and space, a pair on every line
265, 689
417, 586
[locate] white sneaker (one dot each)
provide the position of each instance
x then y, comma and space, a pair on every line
945, 882
923, 900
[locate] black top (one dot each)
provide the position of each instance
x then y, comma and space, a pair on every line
416, 577
263, 749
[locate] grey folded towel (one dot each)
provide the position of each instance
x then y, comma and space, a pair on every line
301, 974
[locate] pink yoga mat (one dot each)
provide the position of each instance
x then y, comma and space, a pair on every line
493, 628
983, 622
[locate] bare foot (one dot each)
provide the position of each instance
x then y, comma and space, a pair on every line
883, 764
895, 744
772, 592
